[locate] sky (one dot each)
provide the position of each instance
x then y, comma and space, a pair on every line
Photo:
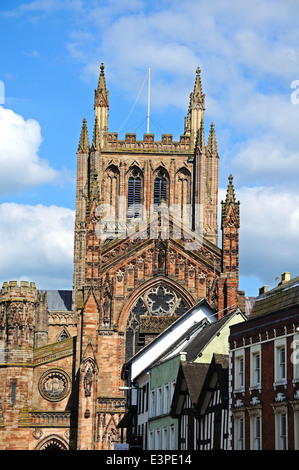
51, 51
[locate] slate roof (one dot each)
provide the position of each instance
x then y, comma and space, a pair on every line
194, 374
220, 366
191, 377
59, 300
194, 348
282, 297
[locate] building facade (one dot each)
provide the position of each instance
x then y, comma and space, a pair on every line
145, 252
264, 372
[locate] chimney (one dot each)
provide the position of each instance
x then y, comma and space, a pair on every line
183, 356
285, 277
263, 290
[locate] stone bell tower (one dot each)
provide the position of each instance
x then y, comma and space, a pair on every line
134, 270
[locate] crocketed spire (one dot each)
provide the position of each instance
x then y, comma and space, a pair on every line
84, 141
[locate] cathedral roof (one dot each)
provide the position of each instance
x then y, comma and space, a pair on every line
59, 300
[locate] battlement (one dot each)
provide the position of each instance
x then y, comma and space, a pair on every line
12, 291
131, 144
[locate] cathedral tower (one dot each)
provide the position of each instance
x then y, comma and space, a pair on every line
146, 249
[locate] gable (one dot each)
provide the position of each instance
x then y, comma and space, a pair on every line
163, 342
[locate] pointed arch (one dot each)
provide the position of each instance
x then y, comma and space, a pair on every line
133, 298
52, 442
135, 192
183, 185
111, 188
161, 187
63, 334
110, 433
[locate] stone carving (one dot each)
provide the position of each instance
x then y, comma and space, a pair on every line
88, 382
161, 301
54, 385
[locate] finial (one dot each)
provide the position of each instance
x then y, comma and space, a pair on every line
101, 92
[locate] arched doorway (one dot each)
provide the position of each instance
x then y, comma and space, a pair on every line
52, 443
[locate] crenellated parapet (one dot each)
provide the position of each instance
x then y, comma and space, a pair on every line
23, 315
148, 144
12, 290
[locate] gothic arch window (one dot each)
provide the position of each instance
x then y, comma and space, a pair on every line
63, 334
132, 329
184, 179
134, 194
183, 193
112, 189
160, 188
149, 314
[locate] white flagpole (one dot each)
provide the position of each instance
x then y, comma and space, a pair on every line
148, 101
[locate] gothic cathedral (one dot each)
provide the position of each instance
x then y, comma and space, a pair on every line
145, 251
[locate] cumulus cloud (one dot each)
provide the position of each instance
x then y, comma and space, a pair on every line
269, 233
21, 166
37, 244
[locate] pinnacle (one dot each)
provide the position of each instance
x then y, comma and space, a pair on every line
102, 89
230, 193
197, 85
212, 142
96, 135
84, 141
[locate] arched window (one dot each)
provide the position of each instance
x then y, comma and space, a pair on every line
160, 189
183, 191
134, 195
112, 189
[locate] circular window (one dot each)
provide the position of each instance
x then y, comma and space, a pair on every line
54, 385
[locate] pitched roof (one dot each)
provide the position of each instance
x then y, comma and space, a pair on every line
191, 377
196, 346
59, 300
219, 366
282, 297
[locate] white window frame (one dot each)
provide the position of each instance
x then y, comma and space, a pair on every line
158, 439
159, 401
280, 366
172, 437
282, 431
152, 403
255, 354
239, 362
256, 431
295, 358
296, 426
166, 401
239, 432
165, 438
151, 440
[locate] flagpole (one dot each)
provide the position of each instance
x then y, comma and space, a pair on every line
148, 100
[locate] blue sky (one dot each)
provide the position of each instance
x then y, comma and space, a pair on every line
51, 52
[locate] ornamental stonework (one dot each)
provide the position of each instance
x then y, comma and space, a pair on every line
54, 385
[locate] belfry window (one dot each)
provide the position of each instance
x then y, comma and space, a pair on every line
160, 189
134, 195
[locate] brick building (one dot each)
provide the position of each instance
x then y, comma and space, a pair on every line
145, 251
264, 381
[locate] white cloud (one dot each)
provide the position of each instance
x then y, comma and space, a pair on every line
21, 166
269, 233
37, 244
